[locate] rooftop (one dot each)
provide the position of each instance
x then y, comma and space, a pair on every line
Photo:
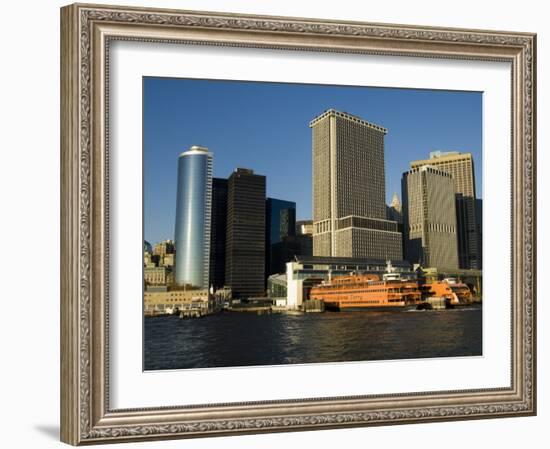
326, 260
438, 154
442, 156
428, 168
245, 171
195, 149
334, 113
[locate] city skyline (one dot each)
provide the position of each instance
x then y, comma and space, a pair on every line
276, 142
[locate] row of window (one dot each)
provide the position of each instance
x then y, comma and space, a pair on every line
359, 291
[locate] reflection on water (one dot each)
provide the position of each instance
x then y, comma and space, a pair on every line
244, 339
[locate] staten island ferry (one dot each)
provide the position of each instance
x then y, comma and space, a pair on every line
368, 291
455, 293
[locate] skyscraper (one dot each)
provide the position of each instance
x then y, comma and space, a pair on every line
461, 167
429, 218
218, 232
245, 245
280, 230
193, 209
349, 207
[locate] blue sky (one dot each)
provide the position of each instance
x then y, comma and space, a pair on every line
264, 126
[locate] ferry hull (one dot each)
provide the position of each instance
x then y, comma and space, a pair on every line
368, 308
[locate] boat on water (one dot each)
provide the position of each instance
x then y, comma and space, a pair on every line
456, 293
368, 291
389, 292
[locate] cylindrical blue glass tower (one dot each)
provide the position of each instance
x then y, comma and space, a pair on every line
193, 207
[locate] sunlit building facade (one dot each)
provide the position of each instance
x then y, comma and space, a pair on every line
461, 167
429, 218
349, 194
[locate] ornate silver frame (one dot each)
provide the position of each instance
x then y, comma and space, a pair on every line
86, 31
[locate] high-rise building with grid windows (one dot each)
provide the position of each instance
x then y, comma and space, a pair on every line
245, 234
461, 167
429, 218
349, 207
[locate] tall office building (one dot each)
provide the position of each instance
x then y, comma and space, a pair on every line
245, 245
461, 167
429, 218
218, 230
349, 204
193, 208
280, 228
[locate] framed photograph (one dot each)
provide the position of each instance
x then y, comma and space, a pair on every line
279, 224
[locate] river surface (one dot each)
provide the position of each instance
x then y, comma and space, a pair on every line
246, 339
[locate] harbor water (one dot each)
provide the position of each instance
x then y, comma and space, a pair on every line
247, 339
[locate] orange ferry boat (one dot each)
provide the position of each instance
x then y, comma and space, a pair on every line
368, 291
358, 291
456, 293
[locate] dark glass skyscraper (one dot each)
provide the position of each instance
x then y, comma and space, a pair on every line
218, 232
280, 228
193, 214
245, 246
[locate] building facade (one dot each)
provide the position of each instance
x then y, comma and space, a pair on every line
155, 275
218, 233
479, 222
304, 227
163, 248
394, 210
159, 302
193, 216
280, 230
148, 260
349, 208
429, 218
304, 237
461, 168
245, 237
147, 248
167, 260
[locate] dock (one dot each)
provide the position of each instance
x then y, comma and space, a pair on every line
250, 309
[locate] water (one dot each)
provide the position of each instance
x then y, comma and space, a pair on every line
245, 339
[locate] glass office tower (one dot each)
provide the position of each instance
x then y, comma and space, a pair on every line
280, 244
193, 209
